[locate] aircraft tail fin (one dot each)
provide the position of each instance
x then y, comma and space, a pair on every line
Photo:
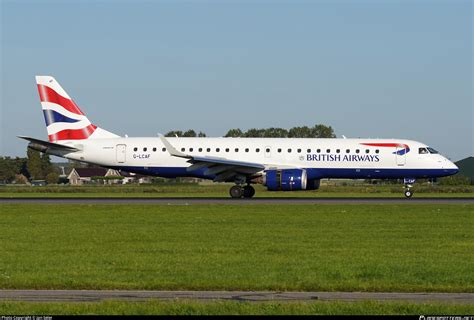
64, 120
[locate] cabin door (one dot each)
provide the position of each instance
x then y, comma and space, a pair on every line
121, 153
400, 156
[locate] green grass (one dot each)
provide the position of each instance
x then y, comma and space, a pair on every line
179, 307
222, 190
410, 247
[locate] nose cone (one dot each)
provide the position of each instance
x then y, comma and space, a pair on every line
452, 168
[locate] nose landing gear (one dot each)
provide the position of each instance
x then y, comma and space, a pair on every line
237, 191
408, 182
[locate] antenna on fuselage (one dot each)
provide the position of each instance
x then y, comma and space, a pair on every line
344, 137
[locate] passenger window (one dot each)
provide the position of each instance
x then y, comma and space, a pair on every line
289, 150
309, 150
348, 151
423, 151
267, 150
246, 149
218, 149
279, 150
144, 149
367, 150
164, 149
183, 149
200, 149
236, 149
299, 150
328, 151
257, 150
318, 151
357, 150
226, 149
154, 149
377, 151
135, 149
208, 149
338, 150
190, 149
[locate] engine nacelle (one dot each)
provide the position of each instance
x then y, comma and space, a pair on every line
285, 179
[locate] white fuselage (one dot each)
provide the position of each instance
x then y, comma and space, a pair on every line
321, 158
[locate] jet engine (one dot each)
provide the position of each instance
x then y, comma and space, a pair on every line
285, 180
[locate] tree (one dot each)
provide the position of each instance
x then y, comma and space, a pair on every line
8, 169
300, 132
276, 133
34, 164
322, 131
255, 133
234, 133
52, 177
189, 133
11, 168
174, 133
46, 166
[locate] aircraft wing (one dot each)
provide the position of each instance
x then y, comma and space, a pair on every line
223, 168
48, 144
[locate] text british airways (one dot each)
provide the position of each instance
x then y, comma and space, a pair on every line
343, 158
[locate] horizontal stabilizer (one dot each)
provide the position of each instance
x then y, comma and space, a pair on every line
48, 144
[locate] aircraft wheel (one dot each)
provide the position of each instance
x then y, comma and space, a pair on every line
236, 192
408, 193
249, 191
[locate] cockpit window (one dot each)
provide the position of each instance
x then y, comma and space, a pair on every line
431, 150
423, 151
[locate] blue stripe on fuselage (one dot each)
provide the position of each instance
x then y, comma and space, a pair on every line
312, 173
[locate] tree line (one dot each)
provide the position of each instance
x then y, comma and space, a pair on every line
317, 131
36, 166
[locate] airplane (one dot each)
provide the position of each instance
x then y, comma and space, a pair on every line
280, 164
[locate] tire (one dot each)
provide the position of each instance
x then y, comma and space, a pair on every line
249, 192
236, 192
408, 193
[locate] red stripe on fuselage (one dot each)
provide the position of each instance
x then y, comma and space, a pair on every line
49, 95
386, 145
73, 134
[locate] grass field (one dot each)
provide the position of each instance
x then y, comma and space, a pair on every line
222, 190
412, 247
230, 308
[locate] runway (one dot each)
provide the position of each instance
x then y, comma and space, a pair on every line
229, 201
253, 296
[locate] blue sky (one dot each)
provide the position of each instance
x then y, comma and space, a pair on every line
378, 69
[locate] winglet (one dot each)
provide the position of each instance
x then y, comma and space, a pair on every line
172, 150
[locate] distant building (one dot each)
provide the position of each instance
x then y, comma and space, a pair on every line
80, 176
38, 183
466, 168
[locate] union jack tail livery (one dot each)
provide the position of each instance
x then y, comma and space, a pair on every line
64, 120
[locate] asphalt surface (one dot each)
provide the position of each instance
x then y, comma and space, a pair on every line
191, 201
255, 296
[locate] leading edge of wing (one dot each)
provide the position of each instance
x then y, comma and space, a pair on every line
212, 160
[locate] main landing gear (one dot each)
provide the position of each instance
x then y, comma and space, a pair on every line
237, 192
